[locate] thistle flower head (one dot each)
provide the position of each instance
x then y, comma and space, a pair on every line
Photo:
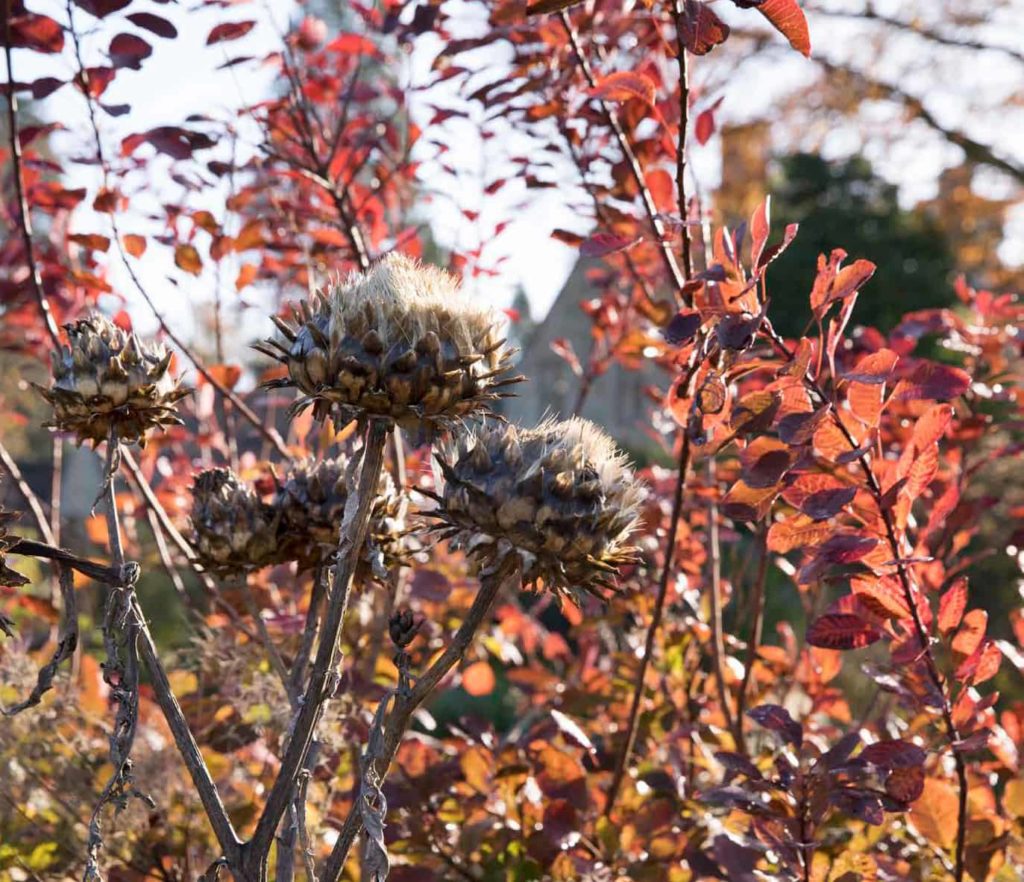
235, 531
561, 496
107, 378
400, 342
310, 504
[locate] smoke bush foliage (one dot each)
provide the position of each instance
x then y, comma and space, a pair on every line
378, 697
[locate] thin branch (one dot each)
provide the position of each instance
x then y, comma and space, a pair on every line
684, 118
630, 155
652, 629
915, 27
715, 567
405, 705
25, 220
324, 676
35, 506
757, 602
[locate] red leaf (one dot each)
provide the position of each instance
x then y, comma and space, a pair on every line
45, 86
777, 719
601, 244
990, 657
932, 425
38, 32
952, 606
102, 8
760, 227
970, 635
623, 86
562, 347
430, 585
702, 28
841, 631
704, 127
933, 381
905, 785
97, 79
833, 283
93, 241
230, 30
892, 753
881, 597
127, 50
154, 23
789, 20
352, 44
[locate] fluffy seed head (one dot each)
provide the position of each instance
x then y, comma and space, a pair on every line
108, 378
561, 496
235, 531
310, 504
400, 341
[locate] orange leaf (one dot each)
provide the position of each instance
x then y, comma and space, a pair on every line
952, 606
934, 814
225, 374
246, 274
93, 241
970, 635
882, 597
478, 679
789, 20
624, 85
134, 245
187, 258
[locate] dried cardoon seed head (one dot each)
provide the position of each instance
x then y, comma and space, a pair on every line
108, 378
235, 531
311, 506
561, 496
400, 341
8, 578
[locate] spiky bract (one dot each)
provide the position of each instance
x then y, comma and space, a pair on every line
235, 531
107, 378
561, 496
400, 342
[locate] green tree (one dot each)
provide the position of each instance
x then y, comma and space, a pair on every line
845, 204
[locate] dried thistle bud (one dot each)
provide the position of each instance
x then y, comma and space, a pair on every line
560, 496
311, 506
401, 342
8, 578
234, 529
108, 378
403, 627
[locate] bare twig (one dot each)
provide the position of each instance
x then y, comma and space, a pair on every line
406, 703
715, 584
25, 219
34, 505
652, 629
757, 602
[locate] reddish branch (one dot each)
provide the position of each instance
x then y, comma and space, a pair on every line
24, 219
757, 602
668, 257
920, 631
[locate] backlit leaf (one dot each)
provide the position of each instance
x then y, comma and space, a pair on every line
841, 631
789, 20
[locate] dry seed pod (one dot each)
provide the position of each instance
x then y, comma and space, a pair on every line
401, 342
234, 530
561, 496
108, 378
311, 505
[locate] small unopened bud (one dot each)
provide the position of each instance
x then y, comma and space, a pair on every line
403, 627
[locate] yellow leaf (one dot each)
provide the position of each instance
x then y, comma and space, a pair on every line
935, 813
1013, 798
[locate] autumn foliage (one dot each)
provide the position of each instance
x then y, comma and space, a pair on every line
791, 669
